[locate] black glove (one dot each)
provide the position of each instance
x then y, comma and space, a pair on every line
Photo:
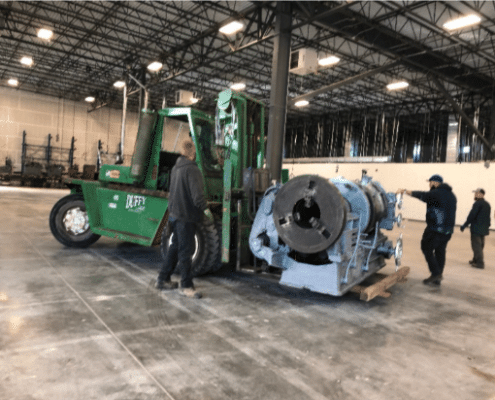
462, 228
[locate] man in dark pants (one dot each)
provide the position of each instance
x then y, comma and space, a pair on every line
441, 205
186, 205
479, 219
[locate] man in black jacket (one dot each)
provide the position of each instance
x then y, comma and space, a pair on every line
441, 205
186, 206
479, 219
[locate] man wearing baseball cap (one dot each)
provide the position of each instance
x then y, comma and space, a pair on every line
441, 205
479, 219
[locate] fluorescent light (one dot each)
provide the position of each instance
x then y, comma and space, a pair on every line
397, 85
453, 124
155, 66
119, 84
462, 22
238, 86
13, 82
328, 61
89, 99
26, 60
301, 103
231, 28
45, 34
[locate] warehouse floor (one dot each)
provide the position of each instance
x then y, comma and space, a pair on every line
86, 324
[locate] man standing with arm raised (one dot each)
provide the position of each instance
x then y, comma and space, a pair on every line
441, 206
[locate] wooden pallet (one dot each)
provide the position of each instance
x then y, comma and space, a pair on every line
380, 285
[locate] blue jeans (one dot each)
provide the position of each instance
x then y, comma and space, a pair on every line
180, 252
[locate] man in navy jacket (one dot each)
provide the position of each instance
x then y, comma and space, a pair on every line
479, 219
441, 205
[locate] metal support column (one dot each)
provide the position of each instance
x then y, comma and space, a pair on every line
23, 153
279, 84
49, 149
452, 140
492, 124
124, 117
71, 152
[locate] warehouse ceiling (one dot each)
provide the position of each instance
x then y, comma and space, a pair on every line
97, 43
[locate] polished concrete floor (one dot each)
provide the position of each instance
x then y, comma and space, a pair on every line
86, 324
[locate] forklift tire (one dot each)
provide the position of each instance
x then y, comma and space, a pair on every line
69, 222
206, 256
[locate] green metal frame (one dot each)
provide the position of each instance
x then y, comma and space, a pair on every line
242, 119
121, 208
128, 206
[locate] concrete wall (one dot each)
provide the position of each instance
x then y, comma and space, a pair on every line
41, 115
463, 178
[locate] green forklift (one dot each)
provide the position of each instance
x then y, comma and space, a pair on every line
129, 203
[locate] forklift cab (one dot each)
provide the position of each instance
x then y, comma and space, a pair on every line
178, 124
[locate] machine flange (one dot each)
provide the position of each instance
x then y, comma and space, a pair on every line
309, 213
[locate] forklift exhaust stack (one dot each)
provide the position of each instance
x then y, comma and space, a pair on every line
142, 149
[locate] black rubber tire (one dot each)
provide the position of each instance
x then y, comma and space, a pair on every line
58, 229
218, 264
207, 257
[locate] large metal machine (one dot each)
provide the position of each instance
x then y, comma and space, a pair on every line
308, 227
325, 235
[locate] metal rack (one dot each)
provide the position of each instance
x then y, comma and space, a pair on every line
44, 165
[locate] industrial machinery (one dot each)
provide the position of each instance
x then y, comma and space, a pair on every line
130, 202
325, 235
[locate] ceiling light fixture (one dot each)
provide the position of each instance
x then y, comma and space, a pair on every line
13, 82
155, 66
119, 84
462, 22
26, 60
233, 27
328, 61
45, 34
301, 103
238, 86
397, 85
89, 99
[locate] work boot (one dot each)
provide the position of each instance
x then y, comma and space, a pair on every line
433, 280
478, 266
166, 285
190, 292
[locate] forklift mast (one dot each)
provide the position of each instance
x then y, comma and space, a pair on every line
240, 137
